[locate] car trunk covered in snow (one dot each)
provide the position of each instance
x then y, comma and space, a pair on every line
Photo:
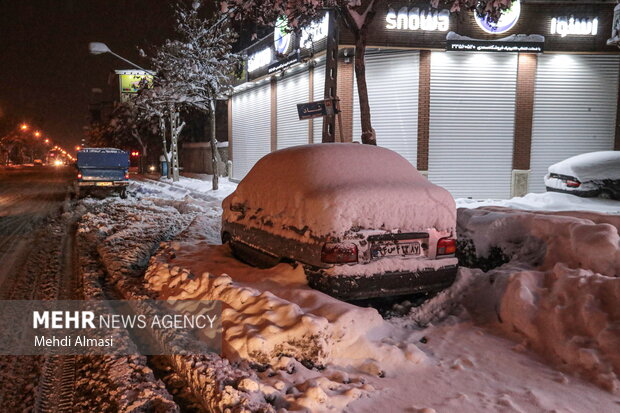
359, 185
591, 166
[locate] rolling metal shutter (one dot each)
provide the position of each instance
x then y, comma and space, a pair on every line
319, 93
292, 90
472, 122
392, 80
574, 109
251, 129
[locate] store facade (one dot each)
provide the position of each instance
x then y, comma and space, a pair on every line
481, 113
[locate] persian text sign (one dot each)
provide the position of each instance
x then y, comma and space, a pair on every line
147, 327
312, 110
494, 46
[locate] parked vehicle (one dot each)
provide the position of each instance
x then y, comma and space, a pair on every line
361, 220
594, 174
105, 169
37, 162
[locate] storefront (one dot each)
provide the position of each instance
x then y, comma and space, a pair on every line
482, 113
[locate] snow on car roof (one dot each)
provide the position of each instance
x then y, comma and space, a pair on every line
101, 150
333, 187
590, 166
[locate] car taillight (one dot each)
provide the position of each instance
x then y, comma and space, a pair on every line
573, 183
446, 246
126, 175
79, 176
333, 253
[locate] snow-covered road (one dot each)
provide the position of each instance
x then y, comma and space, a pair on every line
310, 351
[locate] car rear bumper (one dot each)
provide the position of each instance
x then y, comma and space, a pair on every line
98, 184
575, 191
351, 287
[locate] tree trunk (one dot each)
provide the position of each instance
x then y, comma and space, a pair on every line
215, 155
368, 133
162, 128
143, 156
174, 143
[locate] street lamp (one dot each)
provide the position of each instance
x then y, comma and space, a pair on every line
37, 134
23, 127
100, 48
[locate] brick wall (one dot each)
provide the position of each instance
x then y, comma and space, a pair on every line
230, 120
345, 93
424, 108
617, 137
274, 114
524, 109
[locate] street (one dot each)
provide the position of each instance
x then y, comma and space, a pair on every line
36, 252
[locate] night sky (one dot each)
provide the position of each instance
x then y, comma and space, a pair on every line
46, 71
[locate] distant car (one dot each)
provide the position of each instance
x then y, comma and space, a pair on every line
37, 162
361, 220
594, 174
102, 169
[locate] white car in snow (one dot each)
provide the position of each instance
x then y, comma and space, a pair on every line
361, 220
589, 175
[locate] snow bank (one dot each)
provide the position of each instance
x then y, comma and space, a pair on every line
125, 233
547, 201
571, 316
262, 326
559, 293
579, 240
331, 188
590, 166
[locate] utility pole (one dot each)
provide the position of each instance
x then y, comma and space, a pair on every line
331, 75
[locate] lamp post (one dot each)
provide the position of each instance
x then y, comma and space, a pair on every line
96, 48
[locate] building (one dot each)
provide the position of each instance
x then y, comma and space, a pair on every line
482, 113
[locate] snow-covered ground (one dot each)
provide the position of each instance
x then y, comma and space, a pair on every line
538, 334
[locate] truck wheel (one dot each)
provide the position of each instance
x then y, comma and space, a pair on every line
123, 193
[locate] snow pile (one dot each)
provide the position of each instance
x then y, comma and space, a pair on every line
591, 166
579, 240
547, 201
571, 316
315, 350
125, 234
322, 189
558, 294
261, 326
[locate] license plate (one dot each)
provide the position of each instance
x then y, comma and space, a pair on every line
104, 183
391, 249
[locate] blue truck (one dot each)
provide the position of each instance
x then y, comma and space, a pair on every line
102, 169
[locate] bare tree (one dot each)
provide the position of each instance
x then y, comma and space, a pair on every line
196, 67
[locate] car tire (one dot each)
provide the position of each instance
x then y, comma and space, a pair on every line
252, 256
123, 193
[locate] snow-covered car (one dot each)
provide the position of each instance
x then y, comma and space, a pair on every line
594, 174
361, 220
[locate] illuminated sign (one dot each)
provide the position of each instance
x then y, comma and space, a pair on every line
282, 36
259, 60
416, 19
506, 21
565, 26
494, 46
131, 83
314, 32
